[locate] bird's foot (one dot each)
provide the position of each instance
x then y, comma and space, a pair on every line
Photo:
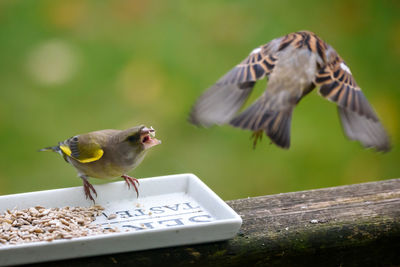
88, 187
131, 181
257, 135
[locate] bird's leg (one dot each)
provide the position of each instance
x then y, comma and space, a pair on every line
87, 187
257, 135
131, 181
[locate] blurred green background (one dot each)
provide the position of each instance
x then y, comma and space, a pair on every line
69, 67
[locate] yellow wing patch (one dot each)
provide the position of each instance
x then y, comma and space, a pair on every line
66, 150
89, 155
96, 155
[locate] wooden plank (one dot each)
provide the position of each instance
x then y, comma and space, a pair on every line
355, 225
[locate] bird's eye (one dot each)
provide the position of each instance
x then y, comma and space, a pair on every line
134, 138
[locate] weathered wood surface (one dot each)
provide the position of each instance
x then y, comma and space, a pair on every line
356, 225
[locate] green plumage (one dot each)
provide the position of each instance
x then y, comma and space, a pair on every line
106, 154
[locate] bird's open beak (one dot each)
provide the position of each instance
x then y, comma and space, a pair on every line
147, 137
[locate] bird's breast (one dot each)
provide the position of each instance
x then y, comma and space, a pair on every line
294, 71
111, 165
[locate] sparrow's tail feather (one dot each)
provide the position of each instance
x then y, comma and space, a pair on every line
275, 123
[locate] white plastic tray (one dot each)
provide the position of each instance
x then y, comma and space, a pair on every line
171, 210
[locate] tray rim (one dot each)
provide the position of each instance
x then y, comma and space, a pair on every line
233, 220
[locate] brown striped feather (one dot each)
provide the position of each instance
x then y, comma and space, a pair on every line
255, 67
272, 113
358, 118
338, 85
222, 100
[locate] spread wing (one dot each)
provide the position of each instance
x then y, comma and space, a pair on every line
221, 101
358, 118
82, 148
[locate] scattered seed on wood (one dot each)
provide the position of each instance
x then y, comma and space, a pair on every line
47, 224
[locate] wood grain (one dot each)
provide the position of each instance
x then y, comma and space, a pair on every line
355, 225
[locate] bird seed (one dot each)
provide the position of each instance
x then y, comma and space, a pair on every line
47, 224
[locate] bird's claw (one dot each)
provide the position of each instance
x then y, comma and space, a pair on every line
131, 181
257, 135
88, 187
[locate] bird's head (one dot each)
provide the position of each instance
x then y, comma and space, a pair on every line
141, 137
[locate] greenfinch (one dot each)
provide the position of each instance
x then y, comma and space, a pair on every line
106, 154
293, 64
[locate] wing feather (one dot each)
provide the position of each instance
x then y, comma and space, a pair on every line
82, 148
220, 103
358, 117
